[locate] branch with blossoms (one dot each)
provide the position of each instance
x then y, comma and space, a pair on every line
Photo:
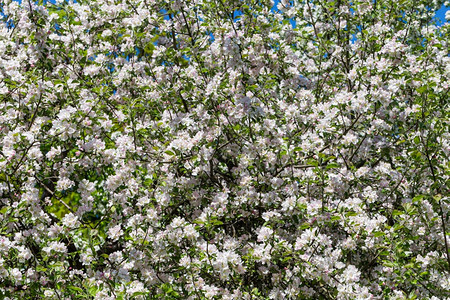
207, 149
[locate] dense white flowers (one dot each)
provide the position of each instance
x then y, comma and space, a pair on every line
224, 150
264, 234
64, 184
115, 232
70, 220
57, 247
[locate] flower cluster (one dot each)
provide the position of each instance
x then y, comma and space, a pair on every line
211, 149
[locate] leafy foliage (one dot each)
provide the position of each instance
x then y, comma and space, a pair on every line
210, 149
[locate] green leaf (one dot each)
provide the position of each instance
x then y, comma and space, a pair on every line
75, 288
335, 218
388, 263
418, 198
437, 197
305, 226
397, 213
216, 222
422, 89
332, 166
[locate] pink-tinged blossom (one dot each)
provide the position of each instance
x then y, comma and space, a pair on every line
64, 184
115, 232
264, 234
57, 247
70, 220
